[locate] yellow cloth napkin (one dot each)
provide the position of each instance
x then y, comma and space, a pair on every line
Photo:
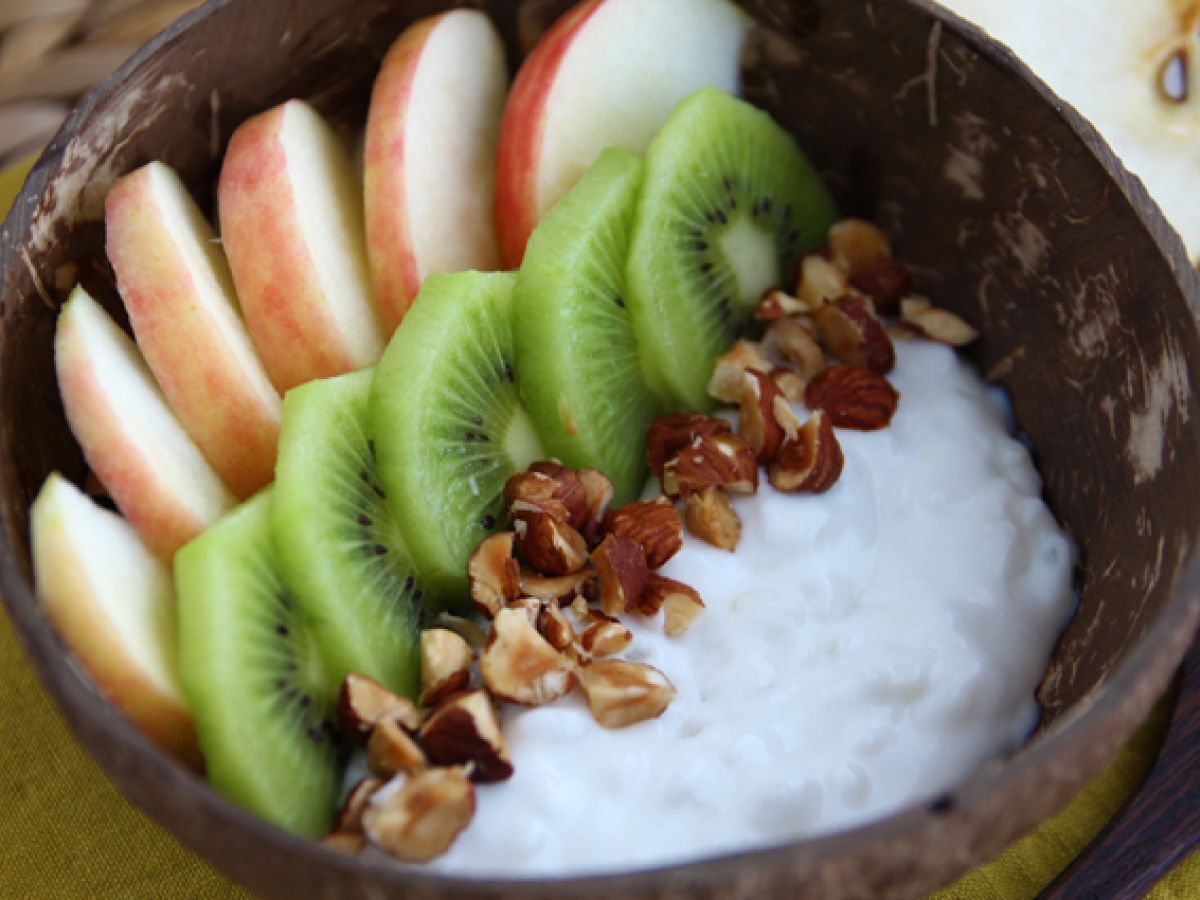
66, 832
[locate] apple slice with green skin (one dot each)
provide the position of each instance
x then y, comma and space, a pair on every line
607, 74
134, 444
430, 156
113, 604
292, 225
179, 294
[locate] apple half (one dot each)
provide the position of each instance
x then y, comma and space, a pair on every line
430, 156
1130, 68
177, 289
134, 444
290, 207
113, 604
606, 74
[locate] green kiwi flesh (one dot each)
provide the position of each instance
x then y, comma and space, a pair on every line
262, 700
338, 546
577, 358
727, 202
448, 423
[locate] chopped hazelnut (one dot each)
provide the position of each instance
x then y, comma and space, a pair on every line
852, 332
622, 568
711, 517
465, 730
658, 588
554, 626
790, 384
757, 424
936, 324
520, 666
421, 820
670, 434
492, 573
598, 490
821, 282
553, 487
885, 282
812, 462
623, 693
853, 397
681, 606
856, 245
653, 524
391, 749
732, 366
605, 637
558, 588
721, 460
797, 343
363, 703
445, 664
545, 542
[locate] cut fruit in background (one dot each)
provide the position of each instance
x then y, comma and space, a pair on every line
134, 444
727, 203
176, 286
292, 226
449, 425
607, 74
263, 703
338, 546
1136, 81
430, 156
113, 604
577, 359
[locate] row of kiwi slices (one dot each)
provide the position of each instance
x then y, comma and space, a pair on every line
386, 480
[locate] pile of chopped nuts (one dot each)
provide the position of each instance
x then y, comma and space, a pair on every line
826, 345
536, 585
539, 584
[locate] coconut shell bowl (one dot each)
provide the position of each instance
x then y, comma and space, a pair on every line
1007, 204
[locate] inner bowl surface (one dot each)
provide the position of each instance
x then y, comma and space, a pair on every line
1010, 209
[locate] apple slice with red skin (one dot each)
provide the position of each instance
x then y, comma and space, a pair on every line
430, 156
113, 603
134, 444
608, 73
292, 226
177, 289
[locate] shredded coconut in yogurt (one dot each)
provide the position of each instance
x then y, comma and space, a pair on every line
863, 650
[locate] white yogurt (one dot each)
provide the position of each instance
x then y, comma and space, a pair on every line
862, 650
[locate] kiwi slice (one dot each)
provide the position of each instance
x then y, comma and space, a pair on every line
449, 425
728, 201
577, 358
262, 700
339, 548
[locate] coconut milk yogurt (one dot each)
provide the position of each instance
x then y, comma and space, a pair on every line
862, 650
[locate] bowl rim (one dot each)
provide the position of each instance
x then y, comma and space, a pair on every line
1134, 683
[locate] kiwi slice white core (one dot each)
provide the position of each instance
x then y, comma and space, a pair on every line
750, 253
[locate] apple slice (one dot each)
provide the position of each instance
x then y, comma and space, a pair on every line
131, 439
1136, 82
430, 156
292, 225
607, 74
179, 294
113, 603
